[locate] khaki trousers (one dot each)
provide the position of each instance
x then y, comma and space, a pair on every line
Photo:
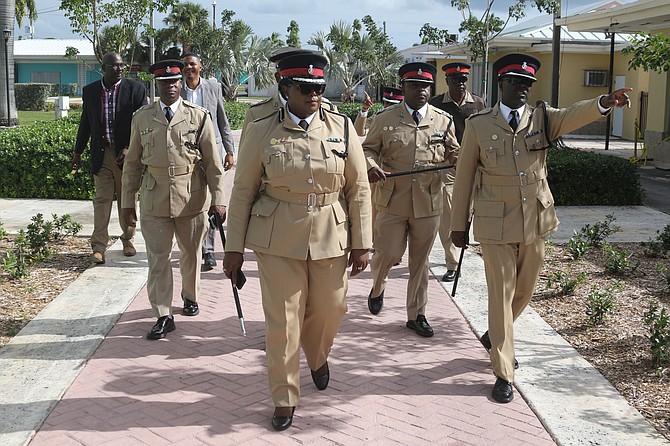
158, 233
107, 184
451, 252
511, 274
392, 234
304, 302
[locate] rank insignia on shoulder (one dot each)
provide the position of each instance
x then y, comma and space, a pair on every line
531, 134
334, 139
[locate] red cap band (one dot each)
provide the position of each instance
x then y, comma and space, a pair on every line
306, 71
397, 97
424, 74
174, 70
524, 67
461, 70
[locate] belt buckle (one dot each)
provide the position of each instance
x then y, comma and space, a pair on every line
523, 179
171, 170
311, 201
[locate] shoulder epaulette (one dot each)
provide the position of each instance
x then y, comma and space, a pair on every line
144, 107
486, 111
328, 103
440, 111
333, 112
274, 112
261, 103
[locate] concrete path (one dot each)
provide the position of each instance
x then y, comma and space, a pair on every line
82, 372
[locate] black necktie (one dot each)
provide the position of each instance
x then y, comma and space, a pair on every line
416, 116
168, 114
514, 119
303, 124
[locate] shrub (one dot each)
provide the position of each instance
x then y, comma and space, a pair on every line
353, 109
599, 303
617, 261
63, 90
659, 246
564, 284
658, 324
572, 175
31, 96
36, 160
597, 234
577, 246
235, 112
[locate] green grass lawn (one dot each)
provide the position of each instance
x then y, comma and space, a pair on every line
28, 117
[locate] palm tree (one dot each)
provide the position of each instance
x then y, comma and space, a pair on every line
185, 22
8, 115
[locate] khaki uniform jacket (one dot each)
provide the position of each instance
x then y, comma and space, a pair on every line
362, 123
395, 143
512, 202
471, 104
157, 149
293, 168
271, 105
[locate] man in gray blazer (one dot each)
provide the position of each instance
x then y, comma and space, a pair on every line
207, 93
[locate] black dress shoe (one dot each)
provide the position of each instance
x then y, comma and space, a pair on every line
209, 261
502, 391
321, 377
282, 423
164, 325
486, 342
449, 276
420, 326
375, 304
190, 307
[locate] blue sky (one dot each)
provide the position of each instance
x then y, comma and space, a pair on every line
403, 18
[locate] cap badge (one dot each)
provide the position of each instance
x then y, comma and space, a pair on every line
458, 68
419, 72
524, 65
310, 70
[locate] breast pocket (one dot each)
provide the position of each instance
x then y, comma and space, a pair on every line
334, 163
147, 141
493, 154
278, 160
437, 149
394, 145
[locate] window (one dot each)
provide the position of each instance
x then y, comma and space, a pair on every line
45, 77
595, 78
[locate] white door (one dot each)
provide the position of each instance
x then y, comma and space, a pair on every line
617, 114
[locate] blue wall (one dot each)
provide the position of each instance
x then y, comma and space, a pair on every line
69, 73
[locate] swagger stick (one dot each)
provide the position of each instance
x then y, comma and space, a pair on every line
460, 258
410, 172
240, 276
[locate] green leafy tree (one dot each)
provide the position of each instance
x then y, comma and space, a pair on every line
479, 31
89, 17
649, 52
186, 23
25, 9
293, 36
383, 62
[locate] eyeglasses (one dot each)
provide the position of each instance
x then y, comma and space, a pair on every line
307, 89
120, 66
516, 81
459, 80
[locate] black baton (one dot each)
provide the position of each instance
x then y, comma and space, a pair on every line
410, 172
460, 258
240, 275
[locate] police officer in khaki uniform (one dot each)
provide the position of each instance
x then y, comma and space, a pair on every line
390, 96
412, 135
264, 108
301, 202
460, 104
175, 175
513, 206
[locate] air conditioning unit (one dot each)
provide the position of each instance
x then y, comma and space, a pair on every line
595, 78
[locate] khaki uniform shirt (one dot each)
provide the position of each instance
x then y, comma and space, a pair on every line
176, 178
395, 143
512, 202
294, 197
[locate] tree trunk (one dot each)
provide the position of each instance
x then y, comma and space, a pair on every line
8, 115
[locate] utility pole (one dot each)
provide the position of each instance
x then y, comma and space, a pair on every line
556, 57
213, 14
152, 55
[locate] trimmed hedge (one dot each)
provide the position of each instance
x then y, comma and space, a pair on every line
31, 96
36, 161
235, 112
63, 90
580, 178
352, 109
